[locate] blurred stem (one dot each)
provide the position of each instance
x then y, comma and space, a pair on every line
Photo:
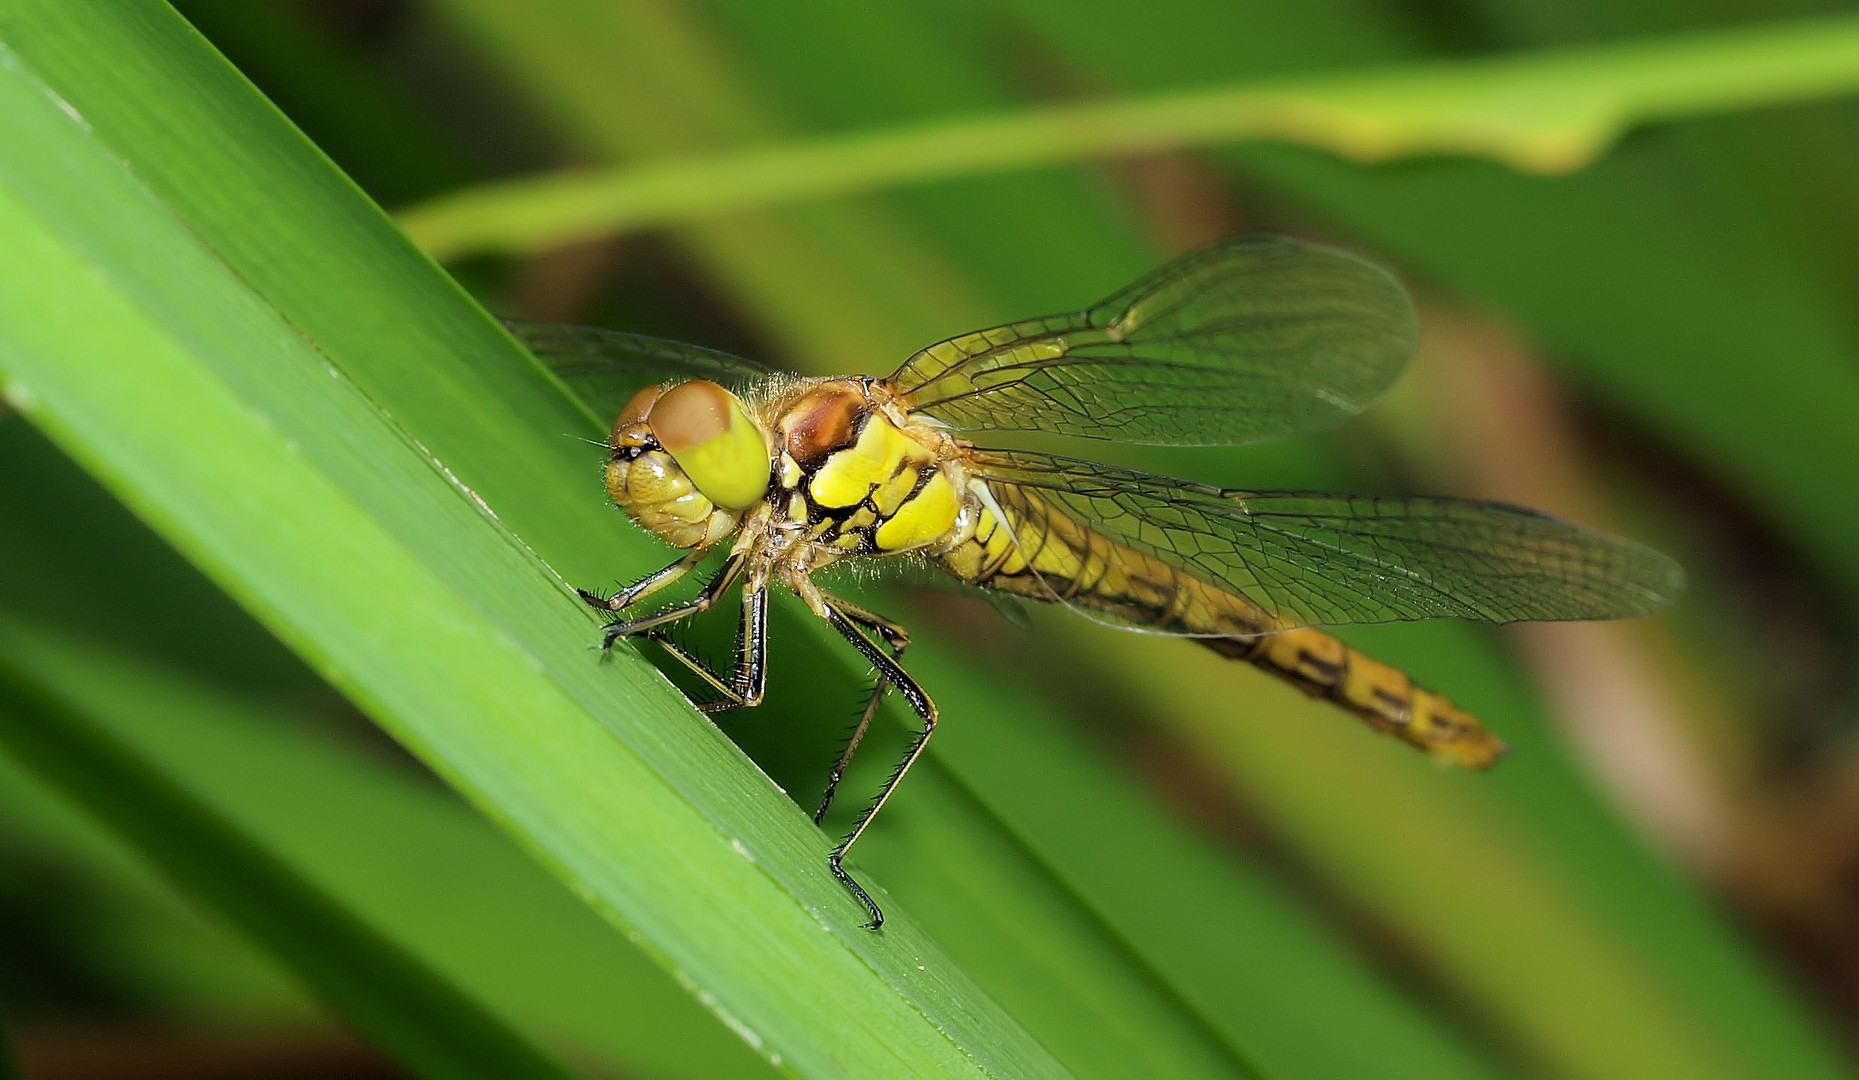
684, 98
1551, 112
1505, 433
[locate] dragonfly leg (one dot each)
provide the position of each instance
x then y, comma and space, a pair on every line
705, 600
898, 639
751, 678
644, 587
924, 707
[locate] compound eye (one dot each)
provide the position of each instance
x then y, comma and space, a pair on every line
714, 440
635, 410
690, 414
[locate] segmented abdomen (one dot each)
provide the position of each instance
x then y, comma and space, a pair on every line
1042, 554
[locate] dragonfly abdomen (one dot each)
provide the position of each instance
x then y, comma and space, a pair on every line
1322, 666
1045, 555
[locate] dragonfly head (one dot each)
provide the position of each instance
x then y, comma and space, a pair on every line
687, 460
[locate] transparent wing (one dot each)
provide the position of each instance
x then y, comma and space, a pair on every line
607, 367
1256, 338
1315, 559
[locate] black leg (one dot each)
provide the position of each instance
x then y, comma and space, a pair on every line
705, 600
751, 677
644, 587
926, 709
898, 639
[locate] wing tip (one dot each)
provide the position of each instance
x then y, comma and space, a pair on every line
1663, 580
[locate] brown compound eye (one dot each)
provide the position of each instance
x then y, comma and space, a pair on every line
635, 410
712, 437
690, 414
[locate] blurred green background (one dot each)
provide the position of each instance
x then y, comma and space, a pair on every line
1155, 862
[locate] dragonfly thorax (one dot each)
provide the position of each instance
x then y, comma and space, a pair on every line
859, 477
687, 461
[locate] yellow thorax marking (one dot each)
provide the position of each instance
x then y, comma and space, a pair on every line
892, 493
849, 475
921, 519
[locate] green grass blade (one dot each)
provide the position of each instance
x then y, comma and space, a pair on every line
1548, 113
224, 417
100, 910
406, 1008
346, 106
422, 871
226, 713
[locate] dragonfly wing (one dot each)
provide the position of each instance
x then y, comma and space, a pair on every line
1256, 338
1312, 558
605, 368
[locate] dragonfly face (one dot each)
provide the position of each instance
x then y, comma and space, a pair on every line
1256, 338
687, 461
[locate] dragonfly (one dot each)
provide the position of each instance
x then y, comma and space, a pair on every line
1254, 338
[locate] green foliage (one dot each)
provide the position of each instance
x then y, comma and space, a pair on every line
383, 876
1553, 113
398, 1002
223, 421
203, 313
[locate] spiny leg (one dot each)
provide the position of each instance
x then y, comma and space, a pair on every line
924, 707
645, 586
751, 678
705, 600
898, 639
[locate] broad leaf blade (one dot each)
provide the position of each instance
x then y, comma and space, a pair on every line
154, 753
206, 398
